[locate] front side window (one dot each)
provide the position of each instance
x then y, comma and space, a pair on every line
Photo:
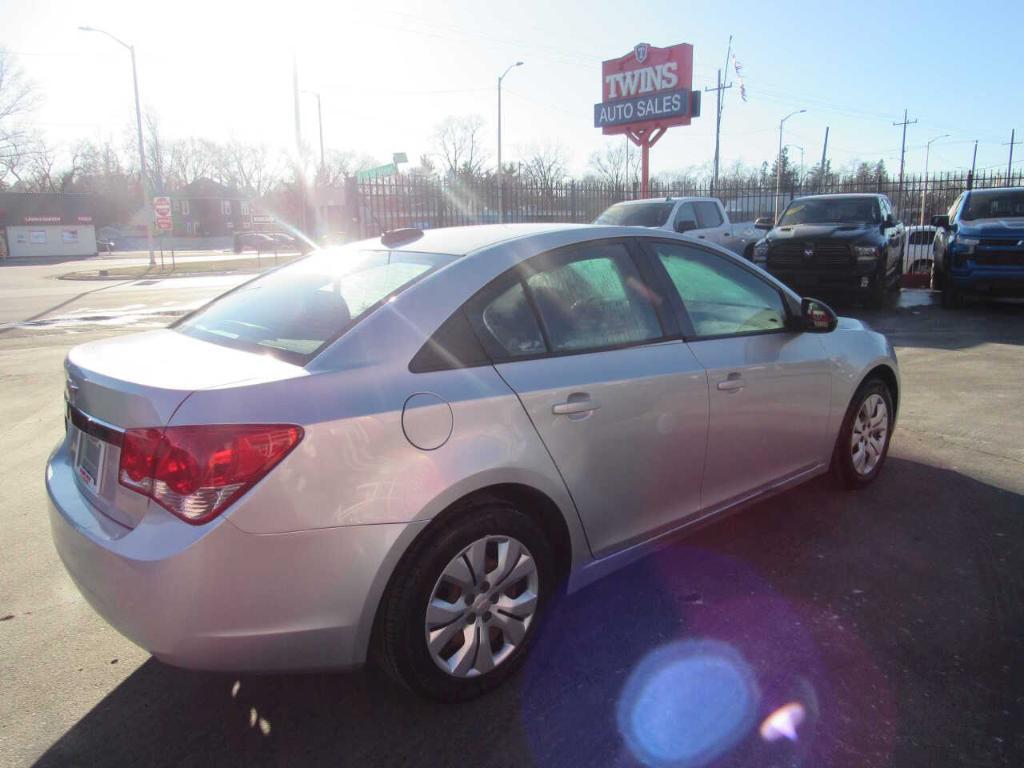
708, 216
720, 297
295, 311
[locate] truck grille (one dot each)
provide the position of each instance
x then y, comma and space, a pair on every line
826, 254
999, 258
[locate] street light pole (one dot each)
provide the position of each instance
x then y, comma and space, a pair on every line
800, 176
320, 125
321, 176
138, 125
778, 162
501, 200
924, 189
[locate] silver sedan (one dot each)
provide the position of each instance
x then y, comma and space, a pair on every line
411, 444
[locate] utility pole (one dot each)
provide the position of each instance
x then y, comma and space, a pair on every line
824, 157
720, 105
1009, 163
903, 153
718, 123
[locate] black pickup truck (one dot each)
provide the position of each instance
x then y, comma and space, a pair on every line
836, 244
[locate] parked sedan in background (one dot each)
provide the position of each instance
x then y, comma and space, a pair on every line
701, 217
849, 243
979, 246
413, 443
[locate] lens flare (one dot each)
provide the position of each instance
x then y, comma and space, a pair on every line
688, 703
783, 722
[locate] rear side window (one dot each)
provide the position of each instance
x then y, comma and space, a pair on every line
588, 298
295, 311
708, 215
506, 322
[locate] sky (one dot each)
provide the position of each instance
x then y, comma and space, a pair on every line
389, 71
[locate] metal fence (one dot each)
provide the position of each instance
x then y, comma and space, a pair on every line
411, 201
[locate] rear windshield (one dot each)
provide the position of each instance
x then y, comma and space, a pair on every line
636, 215
832, 210
994, 204
922, 237
296, 311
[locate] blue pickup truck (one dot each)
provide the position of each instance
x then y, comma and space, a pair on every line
979, 246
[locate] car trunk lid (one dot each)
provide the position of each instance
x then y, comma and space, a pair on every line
139, 381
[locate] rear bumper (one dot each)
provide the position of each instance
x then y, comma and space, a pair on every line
214, 597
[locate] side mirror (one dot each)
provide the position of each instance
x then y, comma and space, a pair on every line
685, 226
817, 316
765, 223
942, 222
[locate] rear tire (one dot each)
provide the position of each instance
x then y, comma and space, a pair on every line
471, 639
863, 442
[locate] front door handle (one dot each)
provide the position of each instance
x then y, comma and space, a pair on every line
573, 406
732, 383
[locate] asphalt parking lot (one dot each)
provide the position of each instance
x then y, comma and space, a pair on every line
894, 616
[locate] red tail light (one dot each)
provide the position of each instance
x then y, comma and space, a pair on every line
197, 472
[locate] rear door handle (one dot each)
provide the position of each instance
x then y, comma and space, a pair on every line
574, 406
732, 383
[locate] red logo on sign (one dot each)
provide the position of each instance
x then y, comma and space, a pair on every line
162, 206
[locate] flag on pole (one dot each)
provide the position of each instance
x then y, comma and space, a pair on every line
739, 76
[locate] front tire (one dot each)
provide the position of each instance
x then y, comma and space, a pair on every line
952, 298
466, 600
863, 442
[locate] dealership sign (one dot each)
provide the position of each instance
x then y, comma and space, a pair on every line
647, 89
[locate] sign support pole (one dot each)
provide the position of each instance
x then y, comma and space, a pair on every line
645, 140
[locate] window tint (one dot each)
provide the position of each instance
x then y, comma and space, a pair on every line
708, 215
506, 322
686, 214
593, 301
721, 298
453, 345
294, 311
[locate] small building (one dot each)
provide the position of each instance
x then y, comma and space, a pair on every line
46, 224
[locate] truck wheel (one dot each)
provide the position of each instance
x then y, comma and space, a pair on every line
951, 297
879, 290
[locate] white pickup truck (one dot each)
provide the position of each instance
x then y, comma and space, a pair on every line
703, 218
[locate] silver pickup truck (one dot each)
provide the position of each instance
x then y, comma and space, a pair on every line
703, 218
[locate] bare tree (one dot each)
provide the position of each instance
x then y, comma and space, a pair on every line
18, 96
458, 144
189, 160
340, 165
157, 160
616, 164
546, 165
